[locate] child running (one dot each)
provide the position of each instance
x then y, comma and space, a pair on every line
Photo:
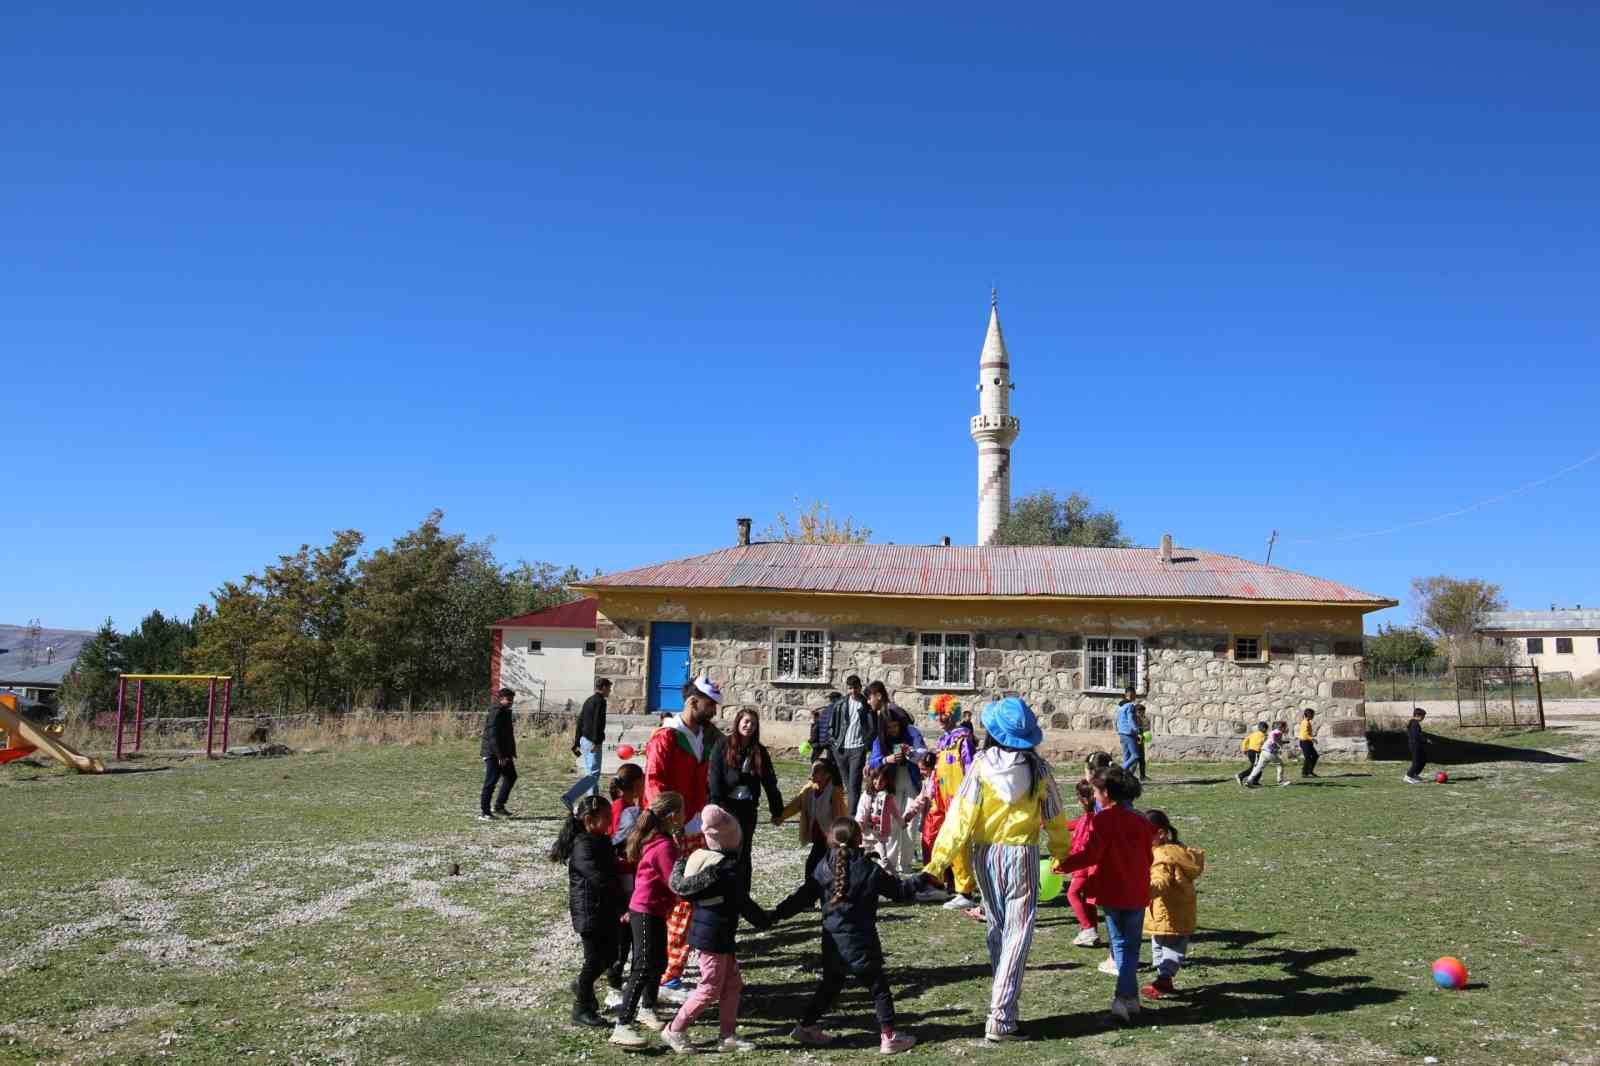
653, 847
1271, 752
848, 885
713, 880
1119, 846
594, 899
1170, 919
1251, 746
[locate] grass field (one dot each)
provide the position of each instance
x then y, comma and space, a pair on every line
303, 909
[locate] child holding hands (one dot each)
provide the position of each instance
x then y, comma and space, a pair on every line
594, 898
653, 846
1170, 919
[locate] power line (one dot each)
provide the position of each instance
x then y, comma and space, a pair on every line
1469, 508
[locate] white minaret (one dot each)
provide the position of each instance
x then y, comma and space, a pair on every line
993, 428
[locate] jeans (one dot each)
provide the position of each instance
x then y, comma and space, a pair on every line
1167, 953
1308, 758
589, 759
493, 772
1130, 750
649, 962
720, 983
599, 955
834, 973
852, 761
1126, 931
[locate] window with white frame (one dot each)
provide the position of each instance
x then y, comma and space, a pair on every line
945, 660
1111, 664
1246, 649
800, 655
535, 647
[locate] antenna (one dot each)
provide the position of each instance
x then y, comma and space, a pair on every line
1270, 542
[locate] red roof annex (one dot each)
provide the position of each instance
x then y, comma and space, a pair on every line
579, 614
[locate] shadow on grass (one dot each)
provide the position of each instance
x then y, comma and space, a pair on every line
1453, 751
136, 770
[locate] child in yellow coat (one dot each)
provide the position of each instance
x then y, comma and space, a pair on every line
1170, 918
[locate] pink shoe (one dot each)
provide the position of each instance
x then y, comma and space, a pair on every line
812, 1035
893, 1043
976, 914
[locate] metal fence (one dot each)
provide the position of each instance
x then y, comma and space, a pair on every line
1499, 695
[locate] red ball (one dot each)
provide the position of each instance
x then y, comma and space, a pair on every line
1449, 972
1440, 778
625, 752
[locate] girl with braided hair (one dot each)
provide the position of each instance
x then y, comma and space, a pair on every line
848, 884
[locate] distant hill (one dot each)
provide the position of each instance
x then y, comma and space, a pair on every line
63, 642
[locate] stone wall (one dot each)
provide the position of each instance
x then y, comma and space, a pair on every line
1199, 701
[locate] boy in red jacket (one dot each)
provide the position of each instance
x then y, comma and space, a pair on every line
1120, 845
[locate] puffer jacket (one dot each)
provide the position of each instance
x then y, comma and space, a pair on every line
594, 885
850, 927
711, 880
1173, 872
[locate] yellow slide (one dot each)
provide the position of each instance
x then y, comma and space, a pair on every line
34, 737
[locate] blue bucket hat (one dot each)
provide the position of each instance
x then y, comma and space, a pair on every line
1012, 724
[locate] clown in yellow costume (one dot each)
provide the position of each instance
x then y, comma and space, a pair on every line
954, 752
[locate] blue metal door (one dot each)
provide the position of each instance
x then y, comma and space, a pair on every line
669, 664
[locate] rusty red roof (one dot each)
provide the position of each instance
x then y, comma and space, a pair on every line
579, 614
934, 570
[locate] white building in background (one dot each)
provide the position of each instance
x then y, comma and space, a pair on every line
1557, 641
546, 656
994, 429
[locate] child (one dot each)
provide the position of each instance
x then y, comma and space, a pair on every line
1418, 745
1143, 723
594, 899
1128, 730
848, 885
1271, 752
1170, 919
1082, 906
713, 879
1308, 744
924, 817
1119, 846
820, 803
653, 847
955, 749
883, 826
821, 742
627, 797
627, 803
1251, 746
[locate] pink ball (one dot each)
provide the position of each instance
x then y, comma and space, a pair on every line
1440, 778
1448, 972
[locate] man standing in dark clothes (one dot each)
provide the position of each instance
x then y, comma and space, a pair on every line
851, 729
587, 742
499, 752
1418, 746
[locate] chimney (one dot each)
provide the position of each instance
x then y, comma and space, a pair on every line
1166, 548
744, 532
946, 542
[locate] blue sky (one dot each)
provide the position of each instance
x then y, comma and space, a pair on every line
598, 282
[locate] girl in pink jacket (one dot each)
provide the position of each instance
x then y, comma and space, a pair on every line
654, 845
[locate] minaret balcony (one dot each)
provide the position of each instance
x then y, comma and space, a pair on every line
1001, 429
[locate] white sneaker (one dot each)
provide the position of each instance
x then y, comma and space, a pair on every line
736, 1043
1408, 779
1087, 938
676, 996
1109, 966
958, 902
650, 1019
678, 1042
614, 998
1285, 784
626, 1036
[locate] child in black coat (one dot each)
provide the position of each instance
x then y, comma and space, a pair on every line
848, 884
713, 879
594, 897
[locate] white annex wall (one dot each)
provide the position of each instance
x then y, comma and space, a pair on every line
567, 672
1581, 661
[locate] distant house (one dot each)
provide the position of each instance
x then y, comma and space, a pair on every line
34, 684
1560, 640
546, 656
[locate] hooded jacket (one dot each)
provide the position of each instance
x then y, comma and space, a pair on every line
652, 890
1173, 872
594, 885
995, 806
710, 879
675, 761
850, 927
1118, 845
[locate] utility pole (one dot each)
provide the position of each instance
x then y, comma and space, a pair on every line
1270, 542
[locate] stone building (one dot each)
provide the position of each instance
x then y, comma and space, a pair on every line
1212, 642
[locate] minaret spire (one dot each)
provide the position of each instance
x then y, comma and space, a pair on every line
993, 428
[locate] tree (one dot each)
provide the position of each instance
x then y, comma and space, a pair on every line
227, 634
1398, 647
1454, 608
92, 682
1043, 518
815, 524
306, 596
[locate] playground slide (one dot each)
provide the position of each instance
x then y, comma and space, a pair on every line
31, 735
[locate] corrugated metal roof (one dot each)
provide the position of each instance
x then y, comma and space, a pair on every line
580, 614
933, 570
43, 674
1572, 620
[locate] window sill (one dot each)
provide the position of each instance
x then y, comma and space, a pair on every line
813, 682
1107, 692
932, 686
1251, 662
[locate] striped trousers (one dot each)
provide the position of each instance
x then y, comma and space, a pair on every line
1008, 881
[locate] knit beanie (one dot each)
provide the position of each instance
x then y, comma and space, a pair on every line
720, 827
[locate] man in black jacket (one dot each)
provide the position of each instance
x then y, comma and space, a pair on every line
1418, 746
587, 741
499, 752
851, 729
